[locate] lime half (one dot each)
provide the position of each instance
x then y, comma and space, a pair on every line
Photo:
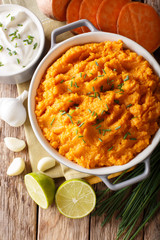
41, 188
75, 198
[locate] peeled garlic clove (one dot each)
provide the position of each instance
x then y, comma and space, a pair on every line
14, 144
46, 163
16, 167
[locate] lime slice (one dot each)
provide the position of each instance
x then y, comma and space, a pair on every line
41, 188
75, 198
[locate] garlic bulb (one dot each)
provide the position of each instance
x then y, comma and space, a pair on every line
12, 110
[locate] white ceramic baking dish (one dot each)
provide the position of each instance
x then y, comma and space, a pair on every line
56, 51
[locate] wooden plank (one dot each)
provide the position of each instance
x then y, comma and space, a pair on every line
17, 210
53, 225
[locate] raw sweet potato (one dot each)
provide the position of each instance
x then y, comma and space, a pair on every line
73, 13
55, 9
108, 13
88, 10
141, 23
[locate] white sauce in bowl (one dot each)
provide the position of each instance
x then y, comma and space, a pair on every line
19, 41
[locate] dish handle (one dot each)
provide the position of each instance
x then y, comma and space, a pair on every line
71, 26
129, 182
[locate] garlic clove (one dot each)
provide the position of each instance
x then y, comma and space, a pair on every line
46, 163
12, 110
14, 144
16, 167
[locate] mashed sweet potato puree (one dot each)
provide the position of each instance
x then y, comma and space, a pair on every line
99, 104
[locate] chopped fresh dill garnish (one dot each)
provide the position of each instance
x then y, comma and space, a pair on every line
101, 88
69, 89
96, 63
80, 74
72, 111
103, 112
93, 113
98, 126
76, 131
100, 139
76, 85
70, 101
35, 45
71, 83
105, 130
20, 25
104, 71
133, 138
129, 105
80, 136
52, 121
101, 76
61, 81
8, 15
12, 18
112, 86
1, 47
110, 148
117, 127
15, 45
91, 73
99, 130
107, 106
64, 112
1, 25
70, 117
8, 49
18, 61
72, 77
10, 53
93, 89
125, 136
89, 110
81, 125
85, 76
29, 40
88, 93
1, 64
126, 79
116, 101
95, 79
14, 52
83, 140
78, 122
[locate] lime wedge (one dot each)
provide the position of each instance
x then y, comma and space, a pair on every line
75, 198
41, 188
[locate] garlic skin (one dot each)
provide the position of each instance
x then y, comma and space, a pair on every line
14, 144
46, 163
12, 110
16, 167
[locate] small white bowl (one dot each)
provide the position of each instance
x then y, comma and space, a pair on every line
26, 73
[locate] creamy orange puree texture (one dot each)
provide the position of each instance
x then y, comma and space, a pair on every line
99, 104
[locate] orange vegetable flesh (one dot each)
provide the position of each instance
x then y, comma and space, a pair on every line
59, 8
141, 23
73, 13
108, 13
88, 10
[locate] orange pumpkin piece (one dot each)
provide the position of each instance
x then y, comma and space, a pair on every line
141, 23
108, 13
88, 10
73, 13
